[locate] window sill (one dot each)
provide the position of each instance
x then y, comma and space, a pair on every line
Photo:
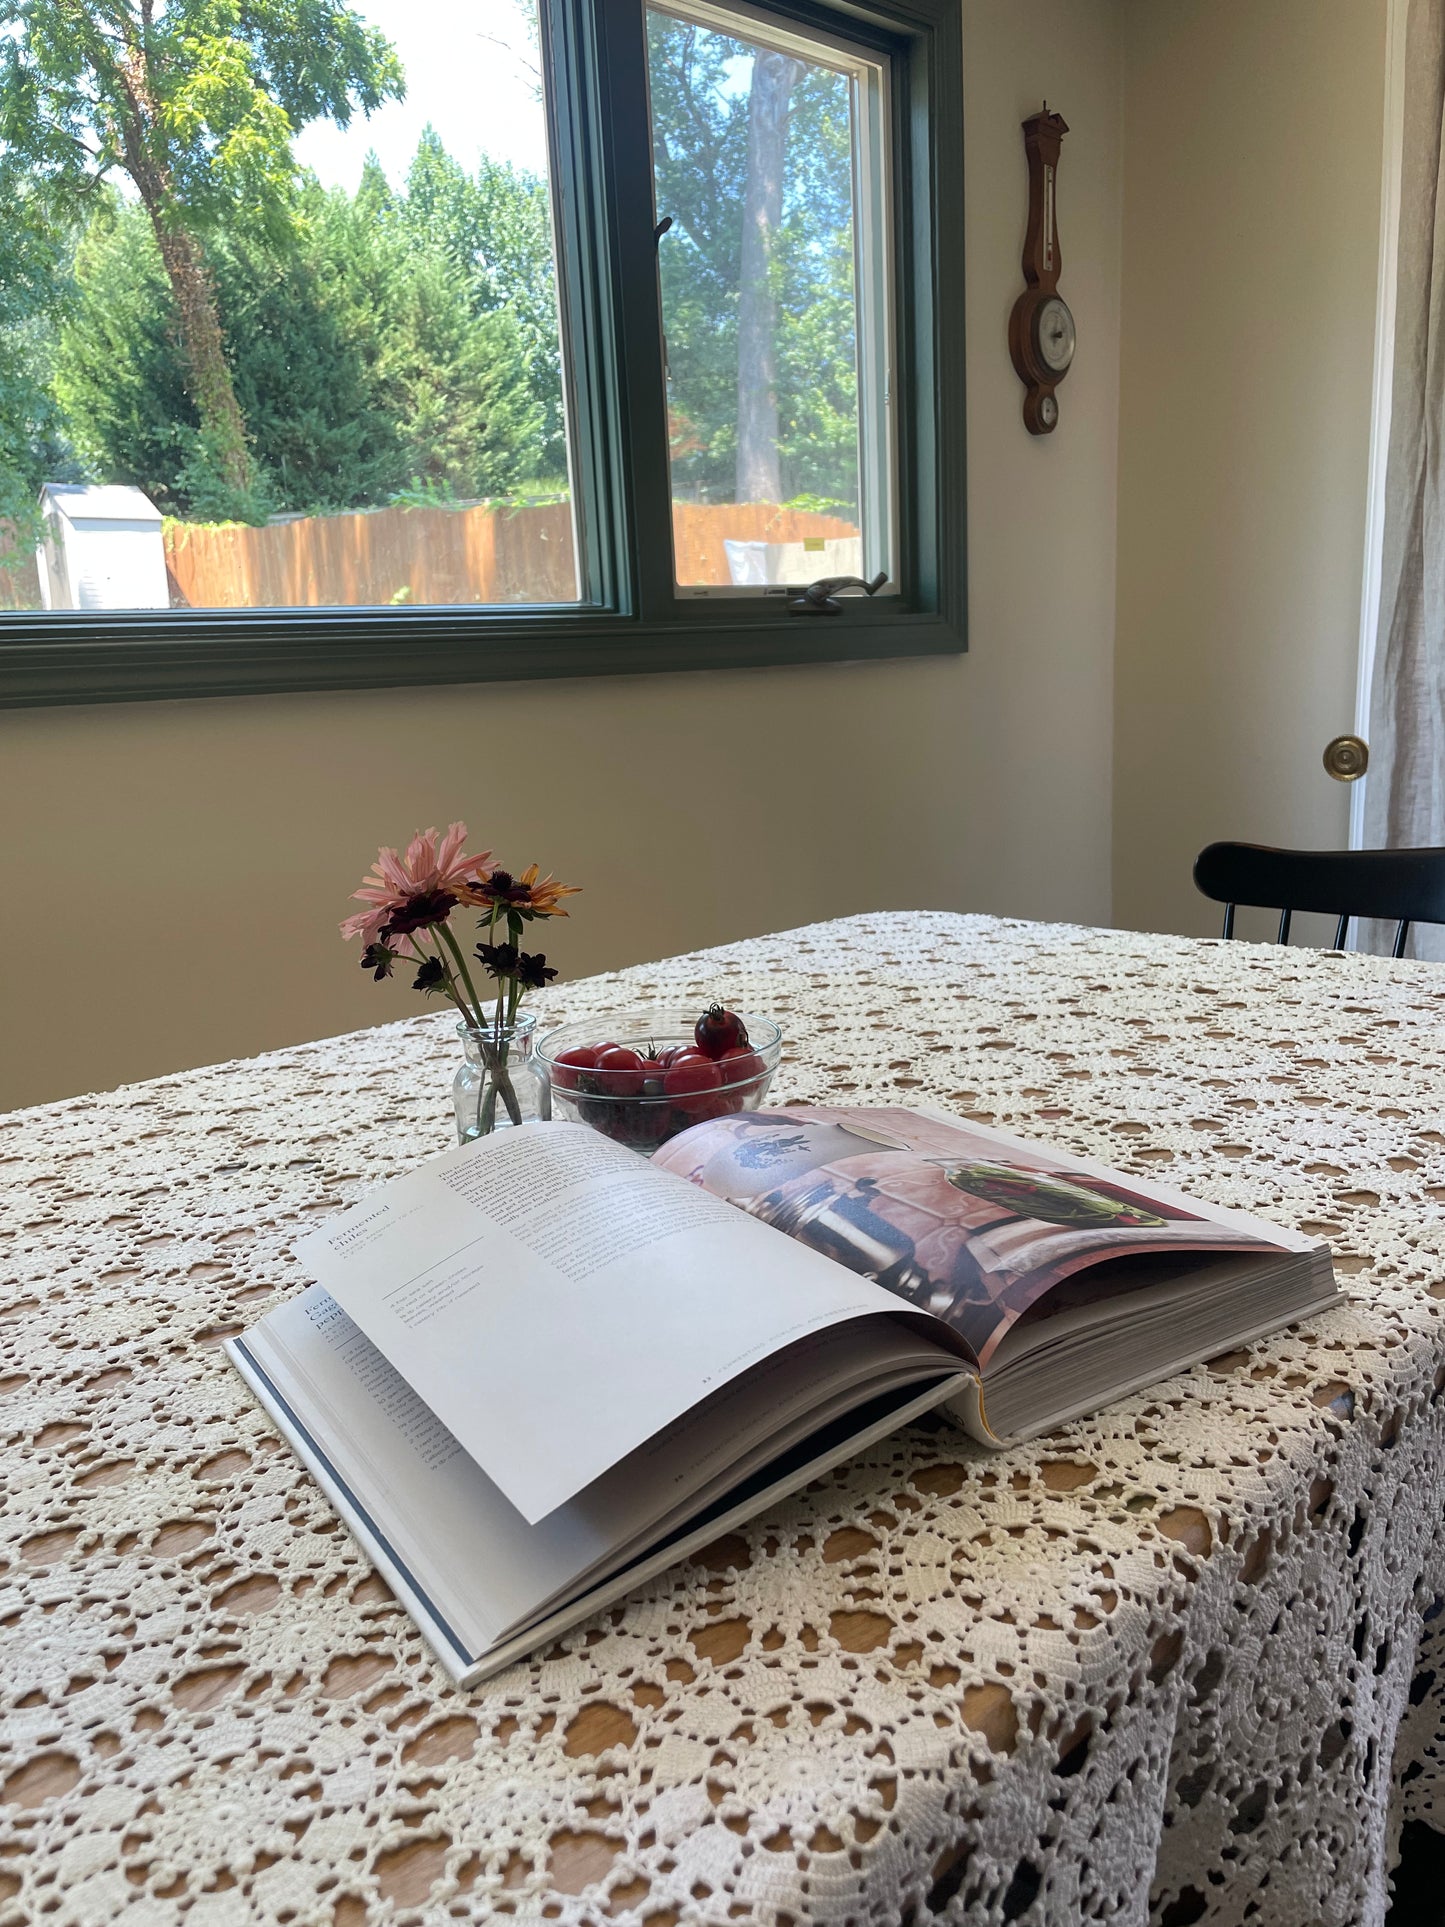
48, 660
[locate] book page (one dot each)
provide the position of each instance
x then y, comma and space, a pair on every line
968, 1223
556, 1300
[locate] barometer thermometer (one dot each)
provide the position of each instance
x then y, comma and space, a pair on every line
1041, 336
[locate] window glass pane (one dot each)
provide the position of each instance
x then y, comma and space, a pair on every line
769, 158
288, 342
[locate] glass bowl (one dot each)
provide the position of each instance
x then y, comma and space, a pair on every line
639, 1111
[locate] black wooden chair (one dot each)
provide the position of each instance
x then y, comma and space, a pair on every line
1402, 886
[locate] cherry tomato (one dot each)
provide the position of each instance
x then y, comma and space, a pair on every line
567, 1064
687, 1075
719, 1030
741, 1066
619, 1072
689, 1083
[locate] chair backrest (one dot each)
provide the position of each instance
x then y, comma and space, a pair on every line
1402, 886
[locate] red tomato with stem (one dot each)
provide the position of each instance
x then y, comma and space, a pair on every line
719, 1030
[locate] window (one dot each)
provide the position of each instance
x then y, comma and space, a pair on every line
336, 386
770, 159
574, 342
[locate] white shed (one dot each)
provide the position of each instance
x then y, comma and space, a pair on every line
101, 549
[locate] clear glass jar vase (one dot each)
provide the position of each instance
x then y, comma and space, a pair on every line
495, 1087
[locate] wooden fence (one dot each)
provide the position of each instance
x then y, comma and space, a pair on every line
402, 555
416, 556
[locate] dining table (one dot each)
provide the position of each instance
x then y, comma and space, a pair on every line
1181, 1661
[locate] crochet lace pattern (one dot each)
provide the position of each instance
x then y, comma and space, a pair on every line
1180, 1662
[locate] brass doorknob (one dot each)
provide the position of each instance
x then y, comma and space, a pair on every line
1347, 758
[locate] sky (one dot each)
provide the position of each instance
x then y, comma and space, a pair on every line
481, 96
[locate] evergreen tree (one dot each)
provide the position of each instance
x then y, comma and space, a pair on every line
495, 227
118, 379
456, 383
303, 352
358, 357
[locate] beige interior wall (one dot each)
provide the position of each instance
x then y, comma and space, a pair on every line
1252, 158
176, 871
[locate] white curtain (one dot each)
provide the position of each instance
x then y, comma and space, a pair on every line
1405, 801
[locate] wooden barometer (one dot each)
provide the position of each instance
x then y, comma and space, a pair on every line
1041, 336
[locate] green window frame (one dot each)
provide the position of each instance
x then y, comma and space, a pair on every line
631, 618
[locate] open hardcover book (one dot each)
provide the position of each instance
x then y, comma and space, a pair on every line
539, 1369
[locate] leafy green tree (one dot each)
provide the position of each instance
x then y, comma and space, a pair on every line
759, 470
813, 275
755, 156
196, 102
118, 381
700, 158
33, 263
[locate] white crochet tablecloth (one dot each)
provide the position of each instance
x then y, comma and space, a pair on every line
1181, 1662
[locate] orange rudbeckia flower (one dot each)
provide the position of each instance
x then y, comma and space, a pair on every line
527, 896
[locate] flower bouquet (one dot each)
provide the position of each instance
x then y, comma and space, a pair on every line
411, 901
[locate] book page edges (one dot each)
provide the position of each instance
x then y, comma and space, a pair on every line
465, 1668
446, 1643
968, 1409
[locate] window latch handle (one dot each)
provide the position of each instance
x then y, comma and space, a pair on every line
820, 598
663, 225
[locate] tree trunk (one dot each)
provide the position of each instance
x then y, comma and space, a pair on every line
203, 345
759, 476
198, 317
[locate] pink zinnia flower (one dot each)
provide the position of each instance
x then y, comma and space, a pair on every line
432, 867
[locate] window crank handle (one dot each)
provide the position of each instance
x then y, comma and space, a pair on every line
820, 598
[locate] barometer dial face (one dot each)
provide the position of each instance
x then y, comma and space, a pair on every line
1054, 334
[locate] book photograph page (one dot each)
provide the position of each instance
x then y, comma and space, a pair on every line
972, 1225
